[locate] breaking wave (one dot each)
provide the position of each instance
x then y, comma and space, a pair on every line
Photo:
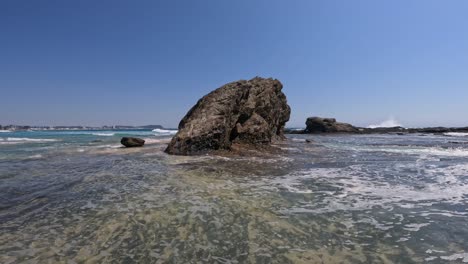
391, 122
12, 140
456, 134
164, 131
103, 134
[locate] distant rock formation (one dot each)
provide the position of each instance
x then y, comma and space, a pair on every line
317, 125
246, 112
131, 142
328, 125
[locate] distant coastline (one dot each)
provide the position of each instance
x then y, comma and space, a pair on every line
13, 128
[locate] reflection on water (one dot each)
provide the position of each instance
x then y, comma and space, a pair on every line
341, 199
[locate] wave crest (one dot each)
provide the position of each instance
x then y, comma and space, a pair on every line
164, 131
391, 122
13, 140
456, 134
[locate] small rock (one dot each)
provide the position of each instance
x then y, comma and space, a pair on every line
131, 142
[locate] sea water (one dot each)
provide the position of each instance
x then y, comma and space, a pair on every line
78, 196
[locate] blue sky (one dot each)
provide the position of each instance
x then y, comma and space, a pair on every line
147, 62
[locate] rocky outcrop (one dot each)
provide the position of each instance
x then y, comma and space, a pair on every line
131, 142
328, 125
316, 125
250, 112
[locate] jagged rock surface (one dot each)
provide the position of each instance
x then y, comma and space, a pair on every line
328, 125
247, 112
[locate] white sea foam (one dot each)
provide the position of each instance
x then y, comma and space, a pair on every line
434, 151
291, 184
298, 139
9, 143
113, 146
5, 131
409, 150
103, 134
414, 227
456, 134
156, 141
37, 156
164, 131
27, 140
462, 256
391, 122
357, 189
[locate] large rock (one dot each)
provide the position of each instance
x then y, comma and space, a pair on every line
247, 112
131, 142
328, 125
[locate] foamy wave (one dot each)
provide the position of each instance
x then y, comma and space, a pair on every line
164, 131
456, 134
5, 131
391, 122
11, 139
156, 141
103, 134
9, 142
434, 151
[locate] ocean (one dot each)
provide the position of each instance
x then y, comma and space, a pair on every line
78, 196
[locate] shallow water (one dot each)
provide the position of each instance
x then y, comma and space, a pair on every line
341, 199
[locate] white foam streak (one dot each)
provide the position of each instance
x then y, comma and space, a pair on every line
435, 151
462, 256
412, 150
165, 131
156, 141
456, 134
24, 140
103, 134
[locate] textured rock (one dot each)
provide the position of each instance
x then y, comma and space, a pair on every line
131, 142
328, 125
246, 112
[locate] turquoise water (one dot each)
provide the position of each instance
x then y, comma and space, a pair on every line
34, 144
78, 197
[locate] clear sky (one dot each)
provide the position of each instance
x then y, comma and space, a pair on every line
94, 62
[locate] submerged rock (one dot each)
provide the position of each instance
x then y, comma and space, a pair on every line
246, 112
131, 142
328, 125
